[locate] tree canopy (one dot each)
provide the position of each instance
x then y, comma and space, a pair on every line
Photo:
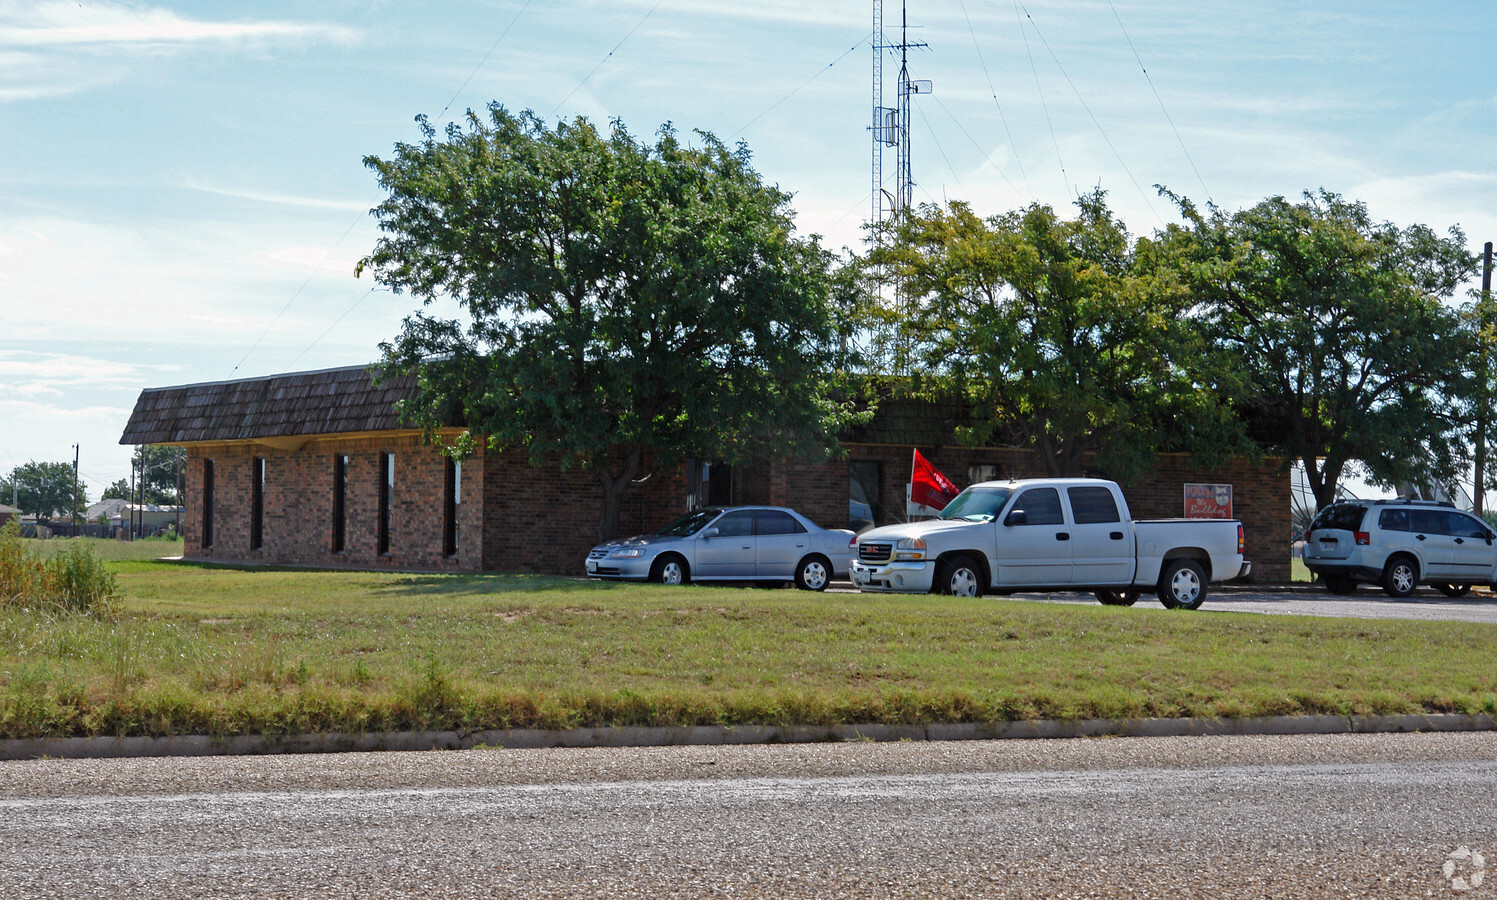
1341, 330
1067, 335
44, 489
627, 304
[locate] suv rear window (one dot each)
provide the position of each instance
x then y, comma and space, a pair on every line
1342, 516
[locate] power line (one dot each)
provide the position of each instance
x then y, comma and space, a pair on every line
606, 58
1082, 100
1166, 112
1065, 179
993, 92
819, 72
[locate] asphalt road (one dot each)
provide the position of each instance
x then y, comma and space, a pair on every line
1332, 816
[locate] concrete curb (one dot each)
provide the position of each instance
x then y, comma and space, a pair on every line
714, 735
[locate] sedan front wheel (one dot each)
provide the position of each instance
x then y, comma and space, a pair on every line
670, 570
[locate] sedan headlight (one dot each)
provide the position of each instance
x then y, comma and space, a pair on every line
627, 553
909, 548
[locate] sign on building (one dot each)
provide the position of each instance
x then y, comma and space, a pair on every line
1208, 501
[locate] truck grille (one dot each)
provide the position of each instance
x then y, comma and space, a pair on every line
875, 552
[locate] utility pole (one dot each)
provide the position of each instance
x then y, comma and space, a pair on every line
75, 490
1478, 493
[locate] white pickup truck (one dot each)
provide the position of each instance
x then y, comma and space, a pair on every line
1051, 533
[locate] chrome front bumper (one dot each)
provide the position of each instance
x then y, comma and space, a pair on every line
893, 577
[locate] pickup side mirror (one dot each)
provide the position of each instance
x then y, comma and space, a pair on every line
709, 533
1017, 517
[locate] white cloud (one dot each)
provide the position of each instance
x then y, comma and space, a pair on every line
56, 48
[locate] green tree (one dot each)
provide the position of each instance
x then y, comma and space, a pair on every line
44, 489
158, 477
1068, 336
119, 490
627, 305
1340, 328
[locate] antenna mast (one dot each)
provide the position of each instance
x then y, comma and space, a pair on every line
891, 127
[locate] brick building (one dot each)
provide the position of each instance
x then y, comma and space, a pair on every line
314, 468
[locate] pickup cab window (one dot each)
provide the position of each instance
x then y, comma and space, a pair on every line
1041, 506
1093, 505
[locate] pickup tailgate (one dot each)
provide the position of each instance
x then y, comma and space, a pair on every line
1217, 540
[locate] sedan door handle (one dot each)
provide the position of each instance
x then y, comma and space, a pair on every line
1460, 540
1062, 535
1115, 536
1418, 537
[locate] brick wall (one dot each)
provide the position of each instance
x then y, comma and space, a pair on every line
298, 505
519, 518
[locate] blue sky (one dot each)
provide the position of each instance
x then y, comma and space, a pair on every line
183, 198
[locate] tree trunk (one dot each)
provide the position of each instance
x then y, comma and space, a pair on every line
615, 488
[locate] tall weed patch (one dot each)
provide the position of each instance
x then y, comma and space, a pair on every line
71, 580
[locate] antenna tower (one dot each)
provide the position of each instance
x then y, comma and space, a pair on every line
891, 126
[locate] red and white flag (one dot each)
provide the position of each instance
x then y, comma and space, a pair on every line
928, 487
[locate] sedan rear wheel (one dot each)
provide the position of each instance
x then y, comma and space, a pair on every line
813, 573
670, 570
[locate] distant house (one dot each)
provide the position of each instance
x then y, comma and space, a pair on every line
150, 518
316, 468
7, 513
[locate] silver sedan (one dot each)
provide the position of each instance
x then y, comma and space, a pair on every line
737, 543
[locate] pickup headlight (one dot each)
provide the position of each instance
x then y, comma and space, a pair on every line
909, 549
627, 553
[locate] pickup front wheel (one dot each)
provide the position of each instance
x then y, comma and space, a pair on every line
1182, 585
959, 577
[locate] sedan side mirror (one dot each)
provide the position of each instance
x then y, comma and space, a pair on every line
709, 533
1017, 517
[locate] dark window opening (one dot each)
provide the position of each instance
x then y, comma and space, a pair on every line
257, 503
452, 502
340, 503
386, 500
207, 503
864, 506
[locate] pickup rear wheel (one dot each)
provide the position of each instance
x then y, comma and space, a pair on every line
1111, 597
959, 577
1182, 585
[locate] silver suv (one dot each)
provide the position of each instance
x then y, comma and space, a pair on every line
1400, 544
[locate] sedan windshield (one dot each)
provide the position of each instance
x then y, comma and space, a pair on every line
977, 504
690, 523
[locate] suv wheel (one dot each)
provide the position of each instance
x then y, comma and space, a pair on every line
1400, 577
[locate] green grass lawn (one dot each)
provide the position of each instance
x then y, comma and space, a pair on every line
213, 650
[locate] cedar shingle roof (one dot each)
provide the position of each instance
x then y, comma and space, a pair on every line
331, 401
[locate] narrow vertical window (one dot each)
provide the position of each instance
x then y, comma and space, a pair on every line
257, 502
340, 502
386, 500
453, 499
207, 503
